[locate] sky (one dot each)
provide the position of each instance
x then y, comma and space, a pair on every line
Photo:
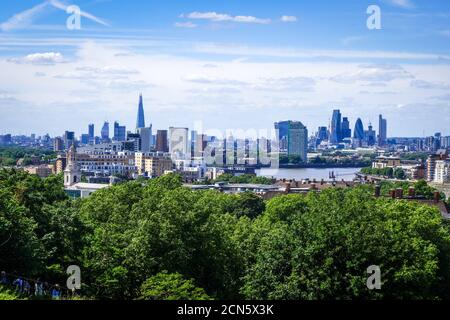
224, 64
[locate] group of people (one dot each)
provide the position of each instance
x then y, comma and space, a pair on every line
29, 288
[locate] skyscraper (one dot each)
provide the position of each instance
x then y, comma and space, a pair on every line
91, 132
140, 123
335, 134
370, 135
346, 132
179, 142
146, 138
283, 128
119, 132
69, 139
161, 141
105, 132
382, 131
298, 140
359, 130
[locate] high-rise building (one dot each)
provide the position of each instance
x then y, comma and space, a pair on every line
298, 140
119, 132
146, 138
69, 139
161, 141
84, 139
179, 142
201, 141
346, 132
91, 131
382, 131
283, 128
140, 122
370, 135
58, 144
335, 131
358, 133
105, 132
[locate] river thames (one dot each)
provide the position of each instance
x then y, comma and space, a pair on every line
311, 173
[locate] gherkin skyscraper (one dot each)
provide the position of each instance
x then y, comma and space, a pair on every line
140, 123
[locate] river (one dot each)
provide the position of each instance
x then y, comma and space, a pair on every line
311, 173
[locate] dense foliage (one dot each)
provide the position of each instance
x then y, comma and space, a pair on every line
397, 173
10, 155
160, 240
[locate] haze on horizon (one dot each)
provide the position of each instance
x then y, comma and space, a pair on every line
227, 64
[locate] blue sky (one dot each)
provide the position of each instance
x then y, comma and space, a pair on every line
227, 64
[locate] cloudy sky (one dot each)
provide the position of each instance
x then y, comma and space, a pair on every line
229, 64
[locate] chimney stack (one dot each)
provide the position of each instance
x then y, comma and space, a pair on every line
412, 192
399, 193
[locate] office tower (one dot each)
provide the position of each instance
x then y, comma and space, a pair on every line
161, 141
140, 123
201, 141
370, 136
282, 127
146, 139
179, 142
69, 139
119, 132
84, 138
359, 130
133, 141
298, 140
105, 132
58, 144
91, 132
382, 131
335, 134
322, 133
346, 132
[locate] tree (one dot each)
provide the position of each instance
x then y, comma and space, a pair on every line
323, 251
165, 286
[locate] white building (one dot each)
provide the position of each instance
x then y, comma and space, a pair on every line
179, 143
442, 171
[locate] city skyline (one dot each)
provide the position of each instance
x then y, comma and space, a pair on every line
229, 65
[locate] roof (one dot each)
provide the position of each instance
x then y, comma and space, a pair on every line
88, 186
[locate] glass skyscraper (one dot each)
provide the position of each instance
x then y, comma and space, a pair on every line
140, 123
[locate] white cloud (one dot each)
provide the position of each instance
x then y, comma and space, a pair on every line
211, 80
218, 17
374, 73
407, 4
45, 58
289, 19
26, 18
423, 84
188, 25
